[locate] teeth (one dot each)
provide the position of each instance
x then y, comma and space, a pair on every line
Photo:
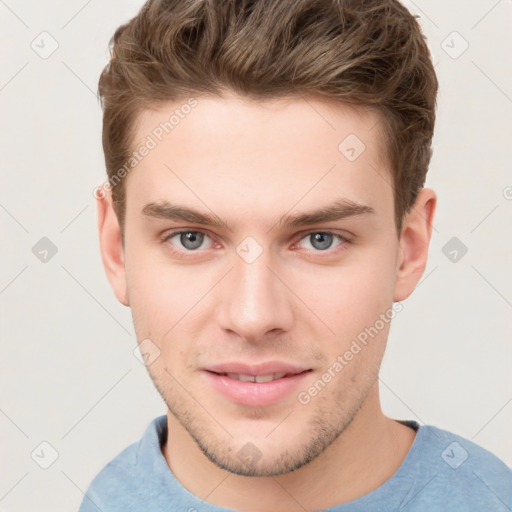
246, 378
264, 378
256, 378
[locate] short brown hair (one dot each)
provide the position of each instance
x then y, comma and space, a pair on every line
363, 52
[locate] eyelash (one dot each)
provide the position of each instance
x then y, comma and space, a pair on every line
344, 241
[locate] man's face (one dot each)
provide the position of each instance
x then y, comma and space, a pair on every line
256, 294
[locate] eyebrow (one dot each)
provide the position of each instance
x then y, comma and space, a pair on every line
338, 210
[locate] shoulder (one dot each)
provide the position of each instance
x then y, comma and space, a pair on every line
458, 472
460, 452
114, 483
121, 482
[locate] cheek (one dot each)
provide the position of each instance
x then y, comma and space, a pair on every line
167, 300
350, 297
156, 293
153, 269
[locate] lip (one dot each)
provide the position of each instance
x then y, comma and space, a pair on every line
265, 368
254, 394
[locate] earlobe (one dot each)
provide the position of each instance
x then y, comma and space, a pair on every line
111, 246
414, 242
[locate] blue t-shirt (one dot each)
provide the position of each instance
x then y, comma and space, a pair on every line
441, 472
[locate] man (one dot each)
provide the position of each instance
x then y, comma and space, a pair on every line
264, 218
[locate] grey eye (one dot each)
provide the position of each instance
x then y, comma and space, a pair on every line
191, 239
321, 241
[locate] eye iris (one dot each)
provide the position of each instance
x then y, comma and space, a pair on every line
191, 239
321, 241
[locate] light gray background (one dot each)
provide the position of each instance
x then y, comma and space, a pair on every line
68, 373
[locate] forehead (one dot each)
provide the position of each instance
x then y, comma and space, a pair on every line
239, 154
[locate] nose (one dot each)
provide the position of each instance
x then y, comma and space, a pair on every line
255, 299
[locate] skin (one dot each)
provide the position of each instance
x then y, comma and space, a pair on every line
250, 163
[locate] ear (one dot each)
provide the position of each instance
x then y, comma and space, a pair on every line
414, 241
111, 246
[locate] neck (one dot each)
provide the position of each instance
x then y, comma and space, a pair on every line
366, 454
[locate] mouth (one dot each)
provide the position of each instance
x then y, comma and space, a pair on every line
257, 378
255, 385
